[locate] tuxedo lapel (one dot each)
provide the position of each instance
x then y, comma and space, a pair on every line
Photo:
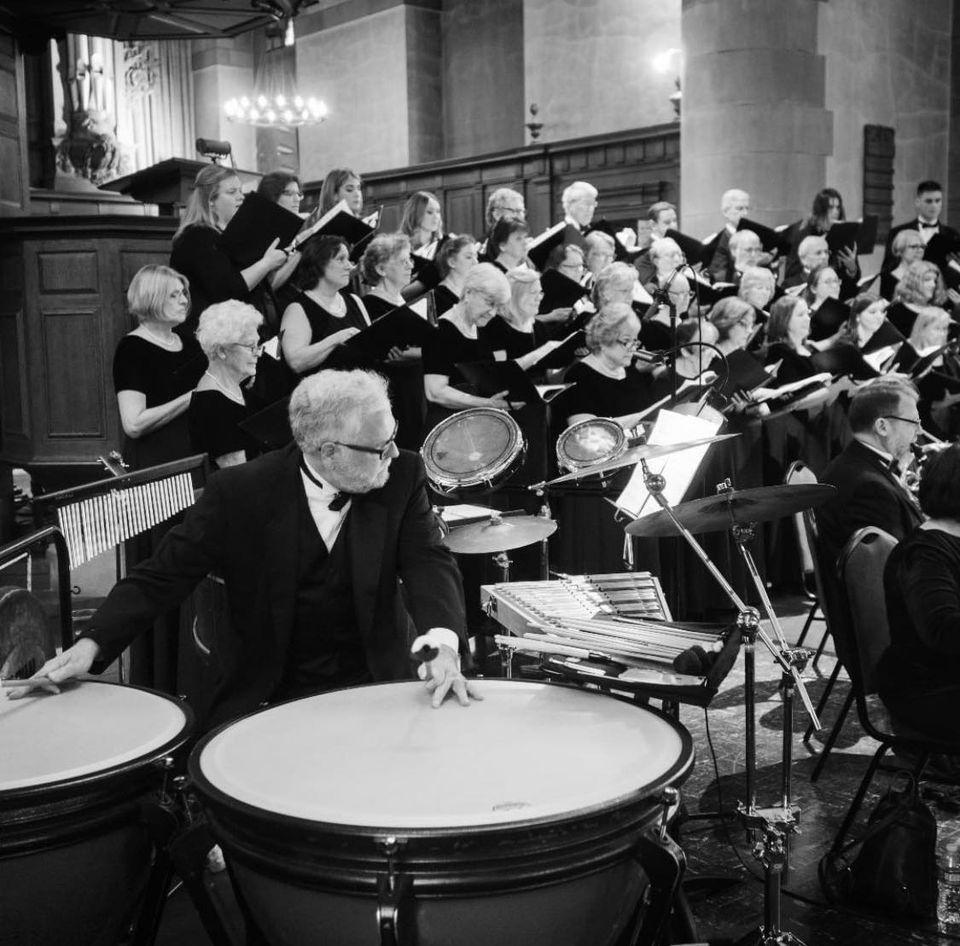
281, 551
366, 531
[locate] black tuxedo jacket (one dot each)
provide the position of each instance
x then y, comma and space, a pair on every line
889, 260
244, 528
868, 494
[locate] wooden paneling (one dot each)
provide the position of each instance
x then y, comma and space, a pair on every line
879, 148
630, 169
72, 359
58, 335
14, 196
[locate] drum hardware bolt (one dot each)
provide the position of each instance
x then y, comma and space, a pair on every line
726, 486
669, 800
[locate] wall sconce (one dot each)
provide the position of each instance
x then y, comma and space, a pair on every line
671, 60
533, 126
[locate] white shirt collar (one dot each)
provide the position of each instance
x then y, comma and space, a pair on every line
887, 457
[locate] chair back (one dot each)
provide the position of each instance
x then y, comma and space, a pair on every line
861, 567
798, 474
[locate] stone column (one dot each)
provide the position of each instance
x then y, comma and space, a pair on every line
753, 113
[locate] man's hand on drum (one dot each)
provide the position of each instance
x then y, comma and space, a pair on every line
499, 401
71, 663
443, 675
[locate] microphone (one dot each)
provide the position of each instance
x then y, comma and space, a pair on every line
650, 357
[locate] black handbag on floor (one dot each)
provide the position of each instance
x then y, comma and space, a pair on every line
893, 867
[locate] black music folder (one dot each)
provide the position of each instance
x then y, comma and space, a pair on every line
772, 238
540, 247
559, 291
565, 353
844, 360
695, 251
270, 427
883, 337
399, 328
940, 247
745, 372
339, 222
828, 319
425, 271
860, 235
257, 223
491, 377
708, 294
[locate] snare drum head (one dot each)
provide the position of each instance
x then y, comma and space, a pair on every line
589, 442
382, 756
472, 447
89, 727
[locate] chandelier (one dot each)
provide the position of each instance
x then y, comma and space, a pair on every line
275, 100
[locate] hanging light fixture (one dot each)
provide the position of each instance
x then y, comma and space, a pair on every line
276, 101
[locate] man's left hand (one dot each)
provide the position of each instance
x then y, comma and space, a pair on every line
443, 675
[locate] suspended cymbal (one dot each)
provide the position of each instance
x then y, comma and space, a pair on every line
646, 451
720, 512
499, 535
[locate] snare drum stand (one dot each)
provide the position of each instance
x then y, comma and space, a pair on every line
774, 824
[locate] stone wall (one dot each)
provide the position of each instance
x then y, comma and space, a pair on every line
588, 64
887, 63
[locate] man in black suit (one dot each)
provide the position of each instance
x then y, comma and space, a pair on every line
884, 420
310, 542
928, 203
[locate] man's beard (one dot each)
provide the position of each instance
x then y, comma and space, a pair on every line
351, 482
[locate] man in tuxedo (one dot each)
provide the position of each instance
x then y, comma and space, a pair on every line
312, 542
867, 473
928, 203
662, 216
734, 205
579, 204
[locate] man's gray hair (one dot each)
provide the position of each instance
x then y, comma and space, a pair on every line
323, 405
577, 191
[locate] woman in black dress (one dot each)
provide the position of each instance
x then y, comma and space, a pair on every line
421, 221
787, 332
826, 211
514, 333
920, 288
507, 245
323, 317
919, 673
454, 259
907, 248
386, 267
822, 283
155, 370
342, 184
866, 316
228, 335
197, 250
458, 341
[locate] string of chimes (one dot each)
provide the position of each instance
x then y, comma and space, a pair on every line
100, 516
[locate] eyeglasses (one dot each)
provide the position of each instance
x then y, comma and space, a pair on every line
254, 348
381, 453
629, 343
297, 195
906, 420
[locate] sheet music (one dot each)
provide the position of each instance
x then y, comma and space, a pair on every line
678, 469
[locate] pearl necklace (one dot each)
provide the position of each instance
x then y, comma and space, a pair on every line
168, 342
237, 396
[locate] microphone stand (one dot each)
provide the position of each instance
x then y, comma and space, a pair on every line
775, 823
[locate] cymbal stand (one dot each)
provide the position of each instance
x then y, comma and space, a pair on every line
774, 823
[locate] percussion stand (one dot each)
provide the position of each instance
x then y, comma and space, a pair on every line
776, 823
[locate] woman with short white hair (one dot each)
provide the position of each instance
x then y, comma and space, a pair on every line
155, 370
228, 335
514, 332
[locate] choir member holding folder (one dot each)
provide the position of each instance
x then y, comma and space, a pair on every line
788, 332
228, 335
198, 250
507, 246
457, 340
385, 267
341, 184
323, 317
936, 372
827, 211
454, 260
421, 220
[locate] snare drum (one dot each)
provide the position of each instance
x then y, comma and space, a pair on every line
471, 449
74, 769
516, 820
589, 442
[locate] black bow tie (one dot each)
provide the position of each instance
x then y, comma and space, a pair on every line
340, 498
895, 469
929, 226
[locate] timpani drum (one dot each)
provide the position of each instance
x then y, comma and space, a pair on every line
589, 442
365, 816
474, 449
75, 769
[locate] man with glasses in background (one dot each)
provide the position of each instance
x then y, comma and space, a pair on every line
868, 473
311, 542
